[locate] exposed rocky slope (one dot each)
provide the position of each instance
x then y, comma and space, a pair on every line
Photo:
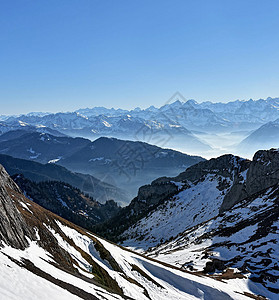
201, 192
48, 257
13, 228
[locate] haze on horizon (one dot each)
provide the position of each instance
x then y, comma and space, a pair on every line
68, 54
123, 108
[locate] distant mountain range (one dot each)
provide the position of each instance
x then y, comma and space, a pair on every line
125, 164
21, 126
265, 137
178, 114
179, 125
40, 147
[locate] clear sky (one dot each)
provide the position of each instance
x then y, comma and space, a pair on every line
61, 55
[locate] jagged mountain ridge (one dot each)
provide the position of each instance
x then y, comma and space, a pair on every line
49, 257
203, 191
253, 111
207, 129
188, 115
136, 127
20, 127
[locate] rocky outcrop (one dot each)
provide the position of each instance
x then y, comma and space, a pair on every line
263, 172
13, 228
226, 165
212, 266
153, 193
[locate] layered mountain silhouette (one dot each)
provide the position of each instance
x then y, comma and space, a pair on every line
37, 172
125, 164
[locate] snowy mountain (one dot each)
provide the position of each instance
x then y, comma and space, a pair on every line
20, 127
44, 256
194, 114
251, 111
152, 129
218, 214
189, 114
59, 121
208, 129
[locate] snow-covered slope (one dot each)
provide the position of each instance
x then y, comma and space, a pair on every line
244, 238
15, 126
200, 194
195, 203
225, 214
55, 259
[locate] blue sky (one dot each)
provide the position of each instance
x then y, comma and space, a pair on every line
60, 55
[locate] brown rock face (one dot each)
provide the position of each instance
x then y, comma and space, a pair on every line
13, 228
